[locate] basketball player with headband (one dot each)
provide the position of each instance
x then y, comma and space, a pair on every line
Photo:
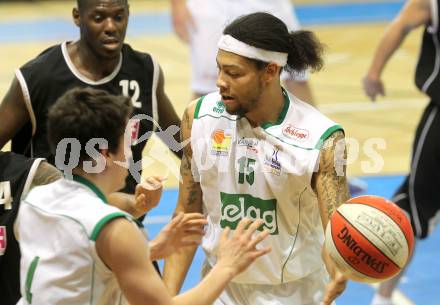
258, 152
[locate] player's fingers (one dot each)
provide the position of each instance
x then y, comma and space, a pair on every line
259, 238
176, 220
195, 233
193, 216
195, 223
140, 199
189, 243
242, 225
253, 227
260, 252
224, 235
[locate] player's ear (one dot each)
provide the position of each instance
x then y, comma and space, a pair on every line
272, 71
76, 16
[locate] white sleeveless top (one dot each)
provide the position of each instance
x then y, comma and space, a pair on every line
57, 227
263, 172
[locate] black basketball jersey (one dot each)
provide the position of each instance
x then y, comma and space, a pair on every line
16, 174
427, 76
44, 79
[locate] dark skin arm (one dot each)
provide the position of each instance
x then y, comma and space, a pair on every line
331, 188
167, 114
13, 113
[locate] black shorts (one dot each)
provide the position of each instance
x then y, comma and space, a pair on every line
419, 194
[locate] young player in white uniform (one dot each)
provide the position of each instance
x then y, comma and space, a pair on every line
258, 152
78, 250
201, 22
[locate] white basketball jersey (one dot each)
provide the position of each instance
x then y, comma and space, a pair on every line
57, 227
263, 172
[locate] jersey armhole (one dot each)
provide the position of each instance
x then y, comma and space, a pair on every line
327, 134
30, 176
198, 106
100, 225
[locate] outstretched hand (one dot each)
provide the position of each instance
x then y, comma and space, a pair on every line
184, 230
237, 252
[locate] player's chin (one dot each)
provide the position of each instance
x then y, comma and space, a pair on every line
111, 53
233, 109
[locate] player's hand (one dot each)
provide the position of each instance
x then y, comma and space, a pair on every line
183, 21
237, 252
373, 86
335, 288
148, 193
184, 230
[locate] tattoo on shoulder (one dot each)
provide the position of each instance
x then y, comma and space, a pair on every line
330, 181
46, 173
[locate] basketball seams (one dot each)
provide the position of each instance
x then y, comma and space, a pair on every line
376, 208
341, 254
371, 242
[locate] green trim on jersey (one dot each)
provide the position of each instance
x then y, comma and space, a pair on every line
282, 115
327, 134
296, 236
29, 278
91, 186
96, 230
100, 225
198, 106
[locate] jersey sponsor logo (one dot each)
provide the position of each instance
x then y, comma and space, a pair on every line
250, 143
2, 240
135, 125
219, 108
5, 195
272, 164
295, 133
220, 142
238, 206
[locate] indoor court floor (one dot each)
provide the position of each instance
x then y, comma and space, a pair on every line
379, 134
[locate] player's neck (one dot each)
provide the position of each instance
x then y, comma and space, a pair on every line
88, 63
98, 180
268, 108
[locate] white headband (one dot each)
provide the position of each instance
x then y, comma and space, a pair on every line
230, 44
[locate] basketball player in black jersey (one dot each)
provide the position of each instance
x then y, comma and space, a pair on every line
418, 194
99, 59
18, 175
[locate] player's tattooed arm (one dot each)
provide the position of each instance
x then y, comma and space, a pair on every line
190, 200
330, 185
330, 181
46, 173
190, 194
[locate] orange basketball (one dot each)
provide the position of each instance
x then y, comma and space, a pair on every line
369, 238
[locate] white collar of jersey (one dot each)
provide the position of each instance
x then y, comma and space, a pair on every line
230, 44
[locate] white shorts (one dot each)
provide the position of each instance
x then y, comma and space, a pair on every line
306, 291
211, 17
